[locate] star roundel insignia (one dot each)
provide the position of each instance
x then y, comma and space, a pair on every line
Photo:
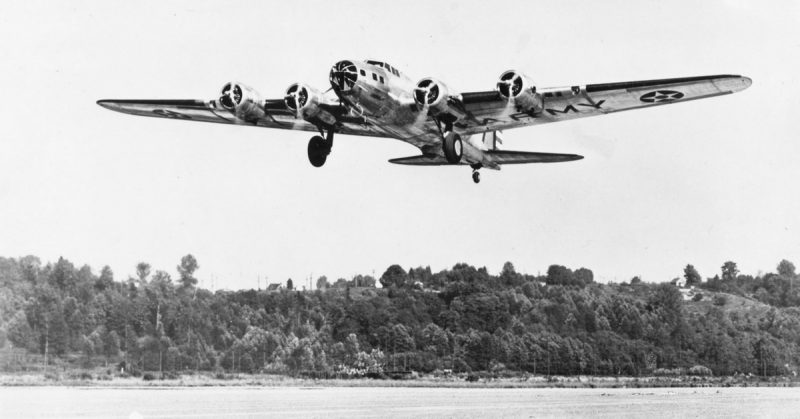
660, 96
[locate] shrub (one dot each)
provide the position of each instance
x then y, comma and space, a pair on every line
148, 377
169, 375
700, 370
698, 296
79, 375
720, 300
663, 372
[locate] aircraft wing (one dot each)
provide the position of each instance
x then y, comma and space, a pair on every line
488, 111
277, 115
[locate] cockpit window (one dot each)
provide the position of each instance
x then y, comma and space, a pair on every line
386, 66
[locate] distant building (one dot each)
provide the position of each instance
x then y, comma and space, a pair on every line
687, 292
274, 287
679, 282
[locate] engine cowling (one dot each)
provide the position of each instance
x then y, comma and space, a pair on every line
242, 101
305, 102
521, 91
435, 96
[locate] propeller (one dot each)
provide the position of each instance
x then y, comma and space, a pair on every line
231, 95
510, 84
296, 98
343, 75
426, 92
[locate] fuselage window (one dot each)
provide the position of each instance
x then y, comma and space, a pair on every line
374, 77
363, 73
382, 80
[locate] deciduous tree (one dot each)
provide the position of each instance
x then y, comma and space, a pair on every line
692, 276
729, 271
186, 270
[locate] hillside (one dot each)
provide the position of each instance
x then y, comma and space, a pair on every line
462, 319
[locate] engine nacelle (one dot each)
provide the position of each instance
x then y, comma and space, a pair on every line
305, 102
434, 95
521, 91
242, 101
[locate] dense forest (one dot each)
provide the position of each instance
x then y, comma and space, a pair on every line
461, 320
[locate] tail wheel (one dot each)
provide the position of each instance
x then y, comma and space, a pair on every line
452, 148
318, 151
476, 176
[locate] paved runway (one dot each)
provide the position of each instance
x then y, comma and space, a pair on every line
388, 402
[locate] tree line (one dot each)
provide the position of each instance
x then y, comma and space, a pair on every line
462, 319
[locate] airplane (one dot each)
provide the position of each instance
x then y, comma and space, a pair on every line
373, 98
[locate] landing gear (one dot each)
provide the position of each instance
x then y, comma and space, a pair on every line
476, 176
451, 142
319, 148
452, 147
317, 151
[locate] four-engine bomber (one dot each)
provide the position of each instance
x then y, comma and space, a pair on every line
373, 98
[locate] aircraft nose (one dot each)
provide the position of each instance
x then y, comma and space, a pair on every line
343, 76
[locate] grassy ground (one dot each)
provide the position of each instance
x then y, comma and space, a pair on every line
454, 381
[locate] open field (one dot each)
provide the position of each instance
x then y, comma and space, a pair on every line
92, 402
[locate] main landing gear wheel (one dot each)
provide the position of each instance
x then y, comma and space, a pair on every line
476, 176
318, 150
452, 147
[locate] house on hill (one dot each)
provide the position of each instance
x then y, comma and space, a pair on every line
679, 282
686, 292
274, 287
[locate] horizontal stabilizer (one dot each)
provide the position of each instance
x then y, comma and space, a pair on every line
496, 156
521, 157
423, 160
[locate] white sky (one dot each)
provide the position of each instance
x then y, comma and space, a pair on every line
701, 182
